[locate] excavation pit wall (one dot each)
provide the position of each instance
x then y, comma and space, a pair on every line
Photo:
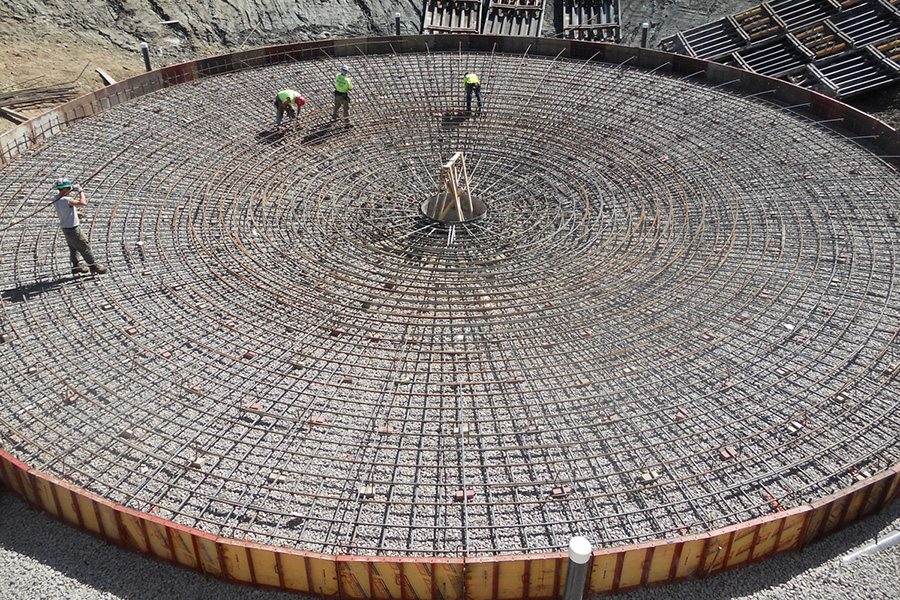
533, 576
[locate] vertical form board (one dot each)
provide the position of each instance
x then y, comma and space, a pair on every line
449, 579
88, 510
511, 579
235, 560
479, 580
893, 492
549, 46
691, 559
249, 59
183, 547
546, 576
660, 568
742, 542
766, 539
824, 107
834, 515
633, 562
180, 73
108, 525
602, 576
580, 50
10, 471
354, 577
264, 565
158, 539
132, 529
323, 576
856, 501
437, 579
215, 65
717, 74
67, 505
207, 552
716, 552
621, 54
879, 496
387, 579
294, 572
791, 537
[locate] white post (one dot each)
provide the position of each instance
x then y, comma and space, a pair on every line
579, 555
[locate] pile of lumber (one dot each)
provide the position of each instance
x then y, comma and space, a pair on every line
37, 96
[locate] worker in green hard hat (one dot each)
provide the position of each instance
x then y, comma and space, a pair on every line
67, 204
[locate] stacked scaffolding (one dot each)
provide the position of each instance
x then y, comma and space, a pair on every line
838, 48
496, 17
597, 20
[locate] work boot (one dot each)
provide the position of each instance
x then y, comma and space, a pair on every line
98, 269
76, 269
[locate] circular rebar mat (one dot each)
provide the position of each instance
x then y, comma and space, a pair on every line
678, 313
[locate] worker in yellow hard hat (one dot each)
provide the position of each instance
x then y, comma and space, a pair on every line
473, 86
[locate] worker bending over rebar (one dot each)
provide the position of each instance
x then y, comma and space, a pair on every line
284, 102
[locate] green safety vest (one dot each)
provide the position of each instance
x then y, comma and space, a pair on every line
342, 84
472, 79
288, 95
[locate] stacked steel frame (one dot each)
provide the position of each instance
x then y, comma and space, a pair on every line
838, 48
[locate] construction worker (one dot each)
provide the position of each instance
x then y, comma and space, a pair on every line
66, 209
342, 87
472, 86
284, 101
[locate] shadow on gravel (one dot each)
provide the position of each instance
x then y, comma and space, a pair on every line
39, 553
24, 292
322, 133
453, 119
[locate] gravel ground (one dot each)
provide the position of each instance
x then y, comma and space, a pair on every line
42, 558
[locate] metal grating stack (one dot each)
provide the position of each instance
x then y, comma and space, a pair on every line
591, 20
838, 48
495, 17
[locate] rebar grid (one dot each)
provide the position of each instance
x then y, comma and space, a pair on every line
678, 313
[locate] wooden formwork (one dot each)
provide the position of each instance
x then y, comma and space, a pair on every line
531, 577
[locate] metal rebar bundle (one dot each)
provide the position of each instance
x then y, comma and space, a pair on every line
679, 312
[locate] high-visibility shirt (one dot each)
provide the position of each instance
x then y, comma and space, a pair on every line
342, 84
471, 79
294, 97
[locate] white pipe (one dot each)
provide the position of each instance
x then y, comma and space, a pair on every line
891, 540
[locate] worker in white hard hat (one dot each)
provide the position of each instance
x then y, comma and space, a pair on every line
67, 210
342, 87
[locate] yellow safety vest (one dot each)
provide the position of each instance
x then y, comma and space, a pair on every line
342, 84
471, 79
288, 95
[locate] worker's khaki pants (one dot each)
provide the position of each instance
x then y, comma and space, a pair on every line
341, 100
78, 244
